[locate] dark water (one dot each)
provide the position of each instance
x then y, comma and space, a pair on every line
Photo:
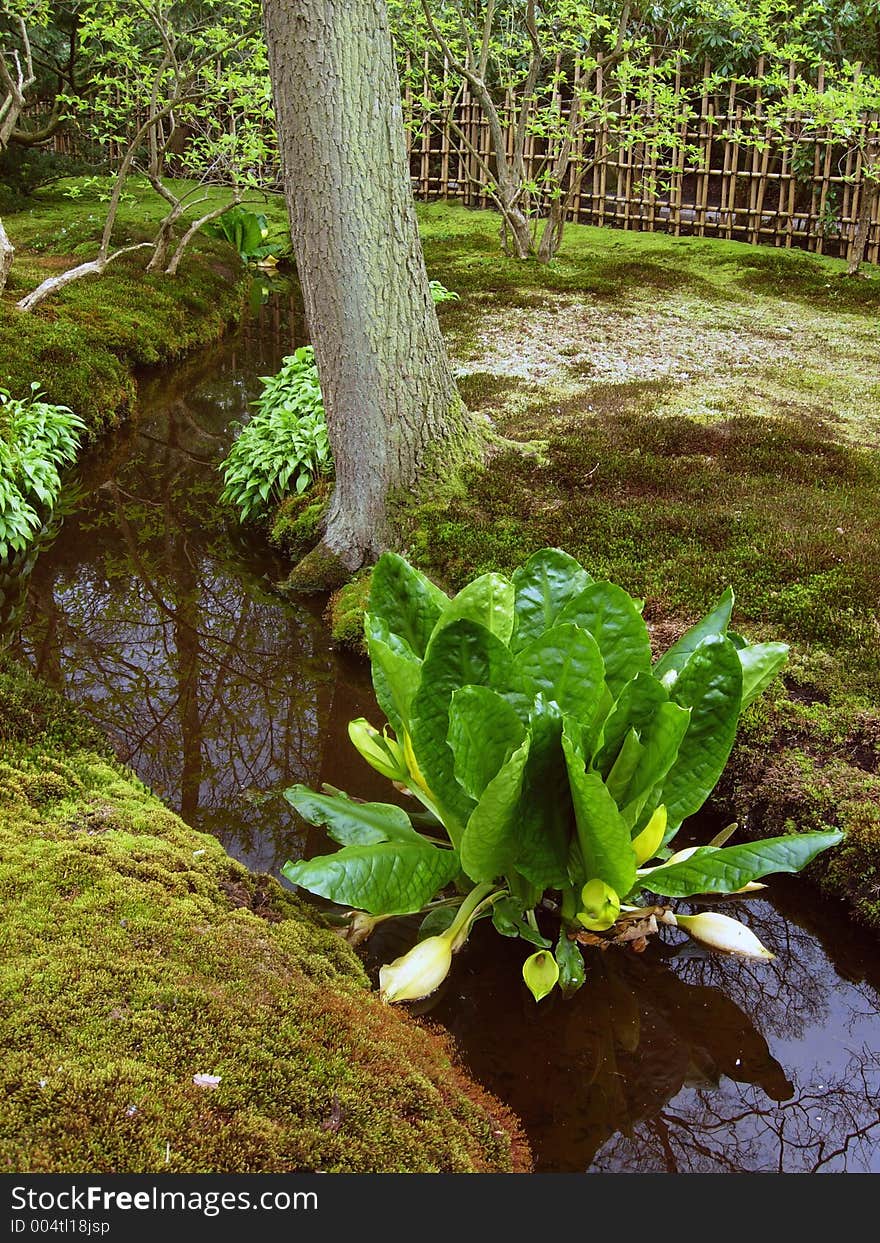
159, 617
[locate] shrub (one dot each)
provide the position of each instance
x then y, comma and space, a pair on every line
554, 762
439, 293
248, 232
37, 439
284, 447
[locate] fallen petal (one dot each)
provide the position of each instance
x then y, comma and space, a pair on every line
206, 1081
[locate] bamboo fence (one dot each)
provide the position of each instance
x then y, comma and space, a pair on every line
714, 179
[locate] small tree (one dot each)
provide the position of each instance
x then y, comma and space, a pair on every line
170, 77
549, 74
845, 110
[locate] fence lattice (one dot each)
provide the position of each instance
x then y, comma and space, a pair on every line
710, 183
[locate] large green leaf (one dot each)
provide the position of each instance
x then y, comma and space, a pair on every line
387, 878
565, 666
635, 707
489, 843
546, 813
570, 960
396, 672
628, 758
659, 740
760, 664
351, 823
710, 685
543, 586
603, 835
714, 623
462, 654
726, 869
488, 601
484, 731
612, 618
407, 602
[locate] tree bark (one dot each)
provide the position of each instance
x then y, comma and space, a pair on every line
867, 202
7, 254
389, 393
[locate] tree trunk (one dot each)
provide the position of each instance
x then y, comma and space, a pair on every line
551, 235
516, 230
389, 394
7, 254
867, 202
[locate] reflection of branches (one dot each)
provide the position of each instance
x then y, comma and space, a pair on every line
789, 998
833, 1125
207, 685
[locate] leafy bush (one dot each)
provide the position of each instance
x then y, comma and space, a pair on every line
36, 441
284, 443
550, 754
439, 293
248, 232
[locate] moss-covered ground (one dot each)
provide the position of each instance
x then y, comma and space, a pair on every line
710, 414
137, 955
83, 343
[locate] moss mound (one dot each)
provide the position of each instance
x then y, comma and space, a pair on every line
83, 343
345, 613
136, 955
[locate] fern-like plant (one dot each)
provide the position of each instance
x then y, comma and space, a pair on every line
284, 447
37, 440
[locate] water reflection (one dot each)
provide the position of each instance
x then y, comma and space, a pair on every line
679, 1061
161, 619
214, 689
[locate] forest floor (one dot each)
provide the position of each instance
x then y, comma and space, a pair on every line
709, 414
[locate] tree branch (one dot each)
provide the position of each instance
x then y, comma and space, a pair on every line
93, 268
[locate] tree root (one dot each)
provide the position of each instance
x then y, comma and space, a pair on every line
319, 571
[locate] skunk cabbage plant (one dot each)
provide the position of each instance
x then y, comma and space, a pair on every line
554, 761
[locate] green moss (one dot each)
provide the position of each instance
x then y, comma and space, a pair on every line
808, 758
318, 571
137, 954
296, 526
345, 613
83, 343
462, 250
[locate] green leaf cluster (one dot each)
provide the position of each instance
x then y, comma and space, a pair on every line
439, 293
37, 440
550, 750
284, 448
247, 232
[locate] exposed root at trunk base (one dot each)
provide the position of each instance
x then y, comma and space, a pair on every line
536, 450
319, 571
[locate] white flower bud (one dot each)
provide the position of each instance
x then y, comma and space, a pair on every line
720, 932
417, 973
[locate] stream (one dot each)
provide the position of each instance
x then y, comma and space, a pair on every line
158, 615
